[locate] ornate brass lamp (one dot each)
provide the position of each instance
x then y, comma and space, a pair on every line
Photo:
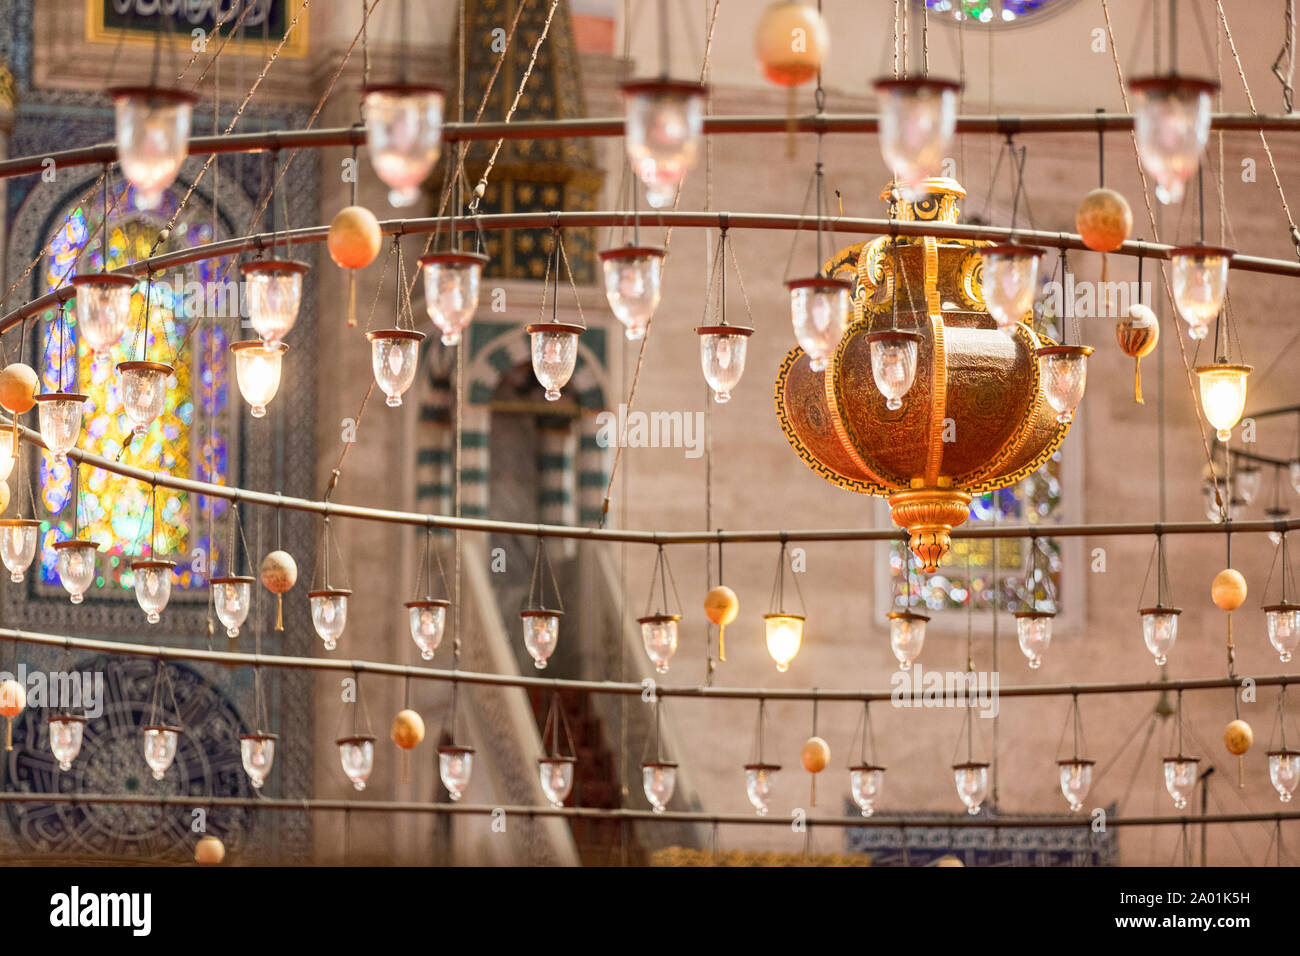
975, 419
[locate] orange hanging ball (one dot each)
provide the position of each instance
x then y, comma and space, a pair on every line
815, 754
407, 730
721, 605
209, 851
354, 238
1104, 220
1228, 589
13, 698
1237, 737
791, 42
18, 388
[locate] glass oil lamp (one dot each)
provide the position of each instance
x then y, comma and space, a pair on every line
18, 540
893, 364
153, 586
232, 598
1064, 372
273, 288
160, 747
633, 277
66, 734
451, 287
257, 369
153, 133
394, 355
428, 622
759, 780
59, 415
257, 751
662, 129
722, 356
906, 636
658, 781
75, 563
1180, 778
1171, 125
329, 614
1223, 395
918, 116
865, 784
819, 312
1284, 772
144, 392
554, 353
103, 309
556, 775
1010, 283
972, 779
403, 135
1199, 277
455, 765
357, 755
1076, 781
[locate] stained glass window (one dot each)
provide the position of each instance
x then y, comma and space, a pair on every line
992, 12
189, 438
981, 568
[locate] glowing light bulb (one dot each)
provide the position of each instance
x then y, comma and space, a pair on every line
258, 367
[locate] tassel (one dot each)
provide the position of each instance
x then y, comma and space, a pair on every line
1137, 381
279, 612
790, 126
722, 643
9, 733
812, 801
352, 298
1241, 772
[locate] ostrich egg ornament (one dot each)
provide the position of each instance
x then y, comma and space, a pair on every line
209, 851
407, 730
721, 605
354, 238
1228, 589
18, 388
815, 754
1237, 737
279, 575
791, 42
1137, 334
975, 419
1104, 220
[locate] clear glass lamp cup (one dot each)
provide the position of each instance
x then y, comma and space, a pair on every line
722, 357
1063, 370
893, 364
153, 586
1180, 779
144, 392
1284, 772
1034, 634
633, 277
659, 637
273, 288
1223, 395
59, 417
257, 752
918, 117
232, 598
865, 785
1171, 125
972, 780
819, 313
906, 636
1283, 623
153, 133
18, 540
66, 734
357, 756
541, 634
1010, 283
103, 309
663, 128
160, 742
760, 779
455, 766
658, 781
1160, 631
258, 368
428, 622
1199, 278
329, 614
394, 357
75, 563
556, 777
403, 135
1076, 780
554, 354
451, 290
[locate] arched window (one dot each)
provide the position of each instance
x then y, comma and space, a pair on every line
193, 435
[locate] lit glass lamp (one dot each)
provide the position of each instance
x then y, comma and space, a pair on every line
257, 751
658, 781
232, 598
819, 312
541, 633
103, 309
144, 392
759, 780
1199, 277
394, 355
153, 132
1223, 395
554, 353
906, 636
1076, 781
659, 637
75, 563
662, 129
918, 116
1010, 283
784, 637
972, 779
153, 586
865, 784
1034, 632
556, 775
633, 277
455, 766
1284, 772
160, 747
59, 415
1160, 630
893, 363
428, 622
403, 135
1180, 778
66, 734
18, 540
357, 755
329, 614
257, 369
1283, 621
722, 356
274, 291
451, 284
1171, 124
1064, 372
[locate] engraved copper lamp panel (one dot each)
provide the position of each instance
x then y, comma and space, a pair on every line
975, 418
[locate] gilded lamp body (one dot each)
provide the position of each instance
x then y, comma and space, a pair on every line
975, 419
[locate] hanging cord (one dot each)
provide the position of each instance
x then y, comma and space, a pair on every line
1287, 53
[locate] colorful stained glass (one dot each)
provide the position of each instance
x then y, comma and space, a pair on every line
186, 439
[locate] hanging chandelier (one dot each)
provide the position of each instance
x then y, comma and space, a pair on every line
976, 417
